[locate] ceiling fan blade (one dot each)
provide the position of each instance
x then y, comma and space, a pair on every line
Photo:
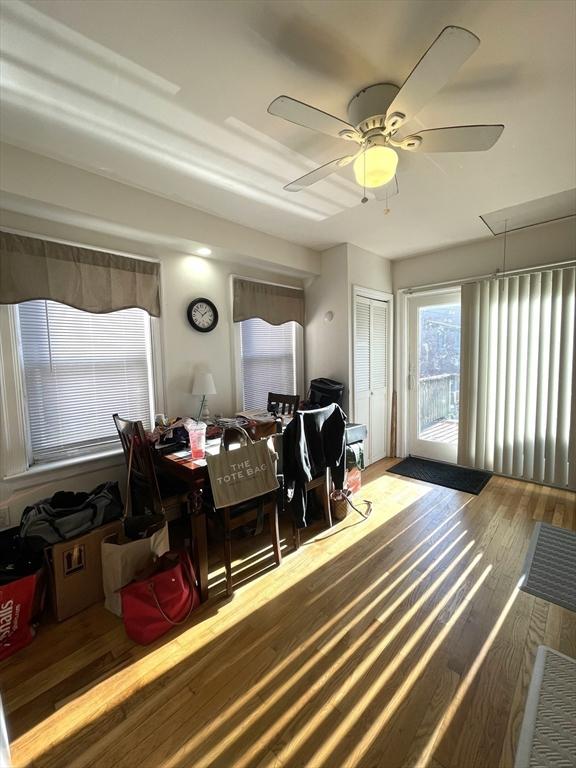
320, 173
460, 138
302, 114
448, 52
387, 190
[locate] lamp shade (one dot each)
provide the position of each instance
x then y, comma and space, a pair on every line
203, 384
375, 167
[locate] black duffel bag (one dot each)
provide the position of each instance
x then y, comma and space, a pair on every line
67, 515
16, 562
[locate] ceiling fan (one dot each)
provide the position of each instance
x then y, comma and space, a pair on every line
377, 113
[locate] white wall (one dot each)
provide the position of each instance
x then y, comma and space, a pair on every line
369, 270
184, 278
329, 344
539, 245
36, 185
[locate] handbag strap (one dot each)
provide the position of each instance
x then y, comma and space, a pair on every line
365, 514
192, 583
247, 439
128, 494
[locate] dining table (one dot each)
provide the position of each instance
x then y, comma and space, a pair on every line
194, 473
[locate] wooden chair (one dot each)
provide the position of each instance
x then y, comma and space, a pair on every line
284, 405
322, 484
251, 511
159, 494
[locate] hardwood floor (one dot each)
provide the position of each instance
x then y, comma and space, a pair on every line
397, 642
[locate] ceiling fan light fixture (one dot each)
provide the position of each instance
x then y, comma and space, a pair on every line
375, 167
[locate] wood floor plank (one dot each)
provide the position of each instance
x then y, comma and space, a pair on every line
534, 637
399, 641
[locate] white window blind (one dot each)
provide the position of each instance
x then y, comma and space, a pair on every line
517, 379
269, 360
79, 369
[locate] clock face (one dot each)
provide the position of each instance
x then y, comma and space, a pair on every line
202, 315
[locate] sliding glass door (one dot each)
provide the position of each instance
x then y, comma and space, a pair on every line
434, 375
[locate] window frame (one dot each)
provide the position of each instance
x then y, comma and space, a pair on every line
236, 344
16, 463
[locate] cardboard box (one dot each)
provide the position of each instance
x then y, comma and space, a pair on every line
75, 568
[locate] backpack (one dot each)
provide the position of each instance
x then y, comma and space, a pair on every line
67, 515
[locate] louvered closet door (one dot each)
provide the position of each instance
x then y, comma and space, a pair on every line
371, 340
378, 379
362, 367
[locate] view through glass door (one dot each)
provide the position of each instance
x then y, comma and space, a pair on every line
434, 375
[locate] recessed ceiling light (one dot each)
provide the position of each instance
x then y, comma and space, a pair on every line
203, 251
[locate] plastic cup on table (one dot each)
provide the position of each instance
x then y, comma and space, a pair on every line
197, 435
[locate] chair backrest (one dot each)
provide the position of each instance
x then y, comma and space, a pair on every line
283, 404
143, 473
308, 428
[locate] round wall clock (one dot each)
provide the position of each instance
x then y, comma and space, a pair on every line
202, 315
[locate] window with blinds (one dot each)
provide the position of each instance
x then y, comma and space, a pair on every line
79, 369
269, 360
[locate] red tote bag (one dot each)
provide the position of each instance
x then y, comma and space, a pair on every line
151, 606
16, 610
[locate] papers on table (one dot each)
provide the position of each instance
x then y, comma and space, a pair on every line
257, 415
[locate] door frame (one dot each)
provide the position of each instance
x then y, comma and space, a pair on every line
443, 452
402, 359
371, 293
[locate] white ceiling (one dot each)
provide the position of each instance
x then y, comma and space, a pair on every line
171, 95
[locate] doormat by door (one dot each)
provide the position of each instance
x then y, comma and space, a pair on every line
551, 564
448, 475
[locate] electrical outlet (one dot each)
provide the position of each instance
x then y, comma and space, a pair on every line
4, 517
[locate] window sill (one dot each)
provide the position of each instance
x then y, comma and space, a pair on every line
39, 474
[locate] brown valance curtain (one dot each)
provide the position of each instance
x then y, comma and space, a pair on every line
94, 281
276, 304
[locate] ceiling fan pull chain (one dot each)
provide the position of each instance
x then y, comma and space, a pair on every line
387, 209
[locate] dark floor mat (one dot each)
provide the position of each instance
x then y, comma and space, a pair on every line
448, 475
551, 564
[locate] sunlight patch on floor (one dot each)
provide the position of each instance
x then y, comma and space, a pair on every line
444, 722
391, 495
363, 668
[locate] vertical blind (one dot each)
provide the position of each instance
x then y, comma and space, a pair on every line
269, 362
79, 369
518, 376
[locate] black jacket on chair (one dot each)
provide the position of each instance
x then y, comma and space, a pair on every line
313, 441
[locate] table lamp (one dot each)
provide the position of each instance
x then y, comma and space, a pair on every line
203, 384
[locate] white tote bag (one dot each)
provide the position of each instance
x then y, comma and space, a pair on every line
123, 558
121, 561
